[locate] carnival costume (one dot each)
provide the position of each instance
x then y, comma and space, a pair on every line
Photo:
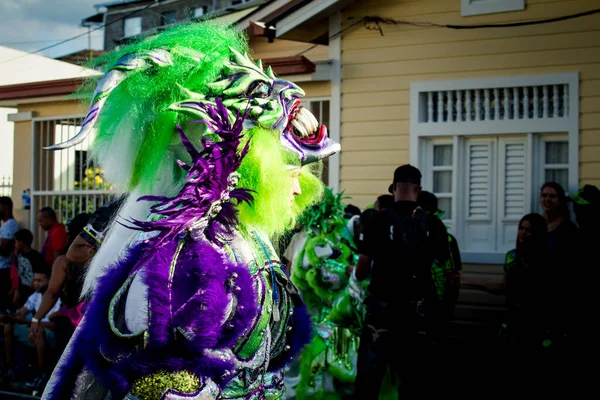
188, 299
328, 363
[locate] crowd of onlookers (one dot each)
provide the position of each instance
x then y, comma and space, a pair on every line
549, 285
549, 277
40, 290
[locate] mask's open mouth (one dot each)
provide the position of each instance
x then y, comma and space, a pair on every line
303, 125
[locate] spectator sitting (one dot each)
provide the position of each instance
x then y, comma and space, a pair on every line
56, 242
7, 244
17, 326
351, 210
68, 272
28, 260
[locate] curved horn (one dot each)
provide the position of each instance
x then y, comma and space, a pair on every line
122, 68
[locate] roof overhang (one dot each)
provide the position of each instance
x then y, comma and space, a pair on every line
92, 20
233, 17
269, 12
311, 21
298, 20
292, 65
12, 95
322, 73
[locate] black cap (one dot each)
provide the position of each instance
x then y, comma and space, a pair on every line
406, 173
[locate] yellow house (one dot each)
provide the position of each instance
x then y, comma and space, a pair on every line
488, 113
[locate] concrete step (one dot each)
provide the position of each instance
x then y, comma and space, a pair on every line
478, 312
475, 296
483, 268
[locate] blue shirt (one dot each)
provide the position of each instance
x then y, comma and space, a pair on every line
7, 231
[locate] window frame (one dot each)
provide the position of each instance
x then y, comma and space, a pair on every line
194, 11
539, 163
428, 174
535, 168
306, 102
544, 166
131, 19
163, 16
475, 7
420, 132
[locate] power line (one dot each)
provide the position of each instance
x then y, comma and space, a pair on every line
525, 23
333, 36
83, 34
31, 42
377, 20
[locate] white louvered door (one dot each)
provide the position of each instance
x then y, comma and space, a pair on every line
496, 174
513, 187
479, 227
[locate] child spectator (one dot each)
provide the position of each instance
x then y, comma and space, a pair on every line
16, 326
28, 260
7, 243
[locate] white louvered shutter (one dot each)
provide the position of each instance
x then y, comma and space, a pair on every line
512, 188
480, 229
479, 180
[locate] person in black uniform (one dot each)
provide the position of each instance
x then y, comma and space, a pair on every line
397, 251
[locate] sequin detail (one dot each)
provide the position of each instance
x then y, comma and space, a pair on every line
153, 386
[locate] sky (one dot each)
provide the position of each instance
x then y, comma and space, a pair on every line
30, 25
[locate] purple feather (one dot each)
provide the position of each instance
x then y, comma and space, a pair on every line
196, 302
94, 332
208, 177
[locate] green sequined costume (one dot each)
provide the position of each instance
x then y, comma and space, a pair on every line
328, 363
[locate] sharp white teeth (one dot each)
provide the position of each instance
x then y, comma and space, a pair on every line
300, 128
301, 117
314, 124
307, 120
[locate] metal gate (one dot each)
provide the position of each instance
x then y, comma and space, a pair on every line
65, 180
6, 186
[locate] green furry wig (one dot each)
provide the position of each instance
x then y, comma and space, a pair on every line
174, 78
